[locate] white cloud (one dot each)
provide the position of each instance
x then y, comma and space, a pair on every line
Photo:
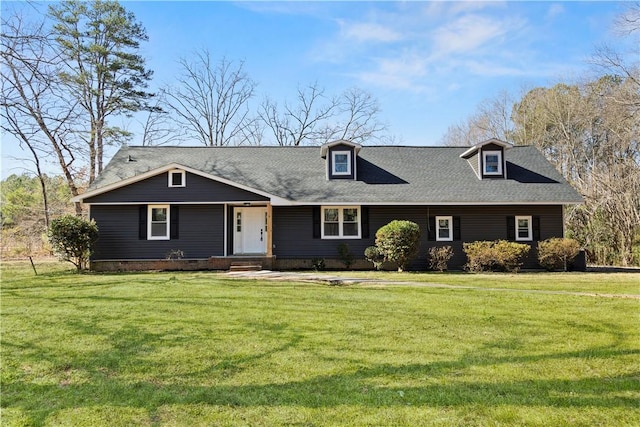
554, 10
469, 33
282, 7
409, 46
401, 72
368, 32
459, 7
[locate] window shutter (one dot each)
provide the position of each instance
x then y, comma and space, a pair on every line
456, 228
142, 222
316, 222
536, 227
511, 228
364, 221
431, 229
175, 220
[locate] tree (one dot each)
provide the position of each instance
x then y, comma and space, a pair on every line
301, 122
614, 62
316, 118
157, 127
491, 120
357, 118
35, 107
591, 138
398, 242
103, 73
72, 239
211, 100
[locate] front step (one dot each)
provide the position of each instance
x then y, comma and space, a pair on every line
245, 266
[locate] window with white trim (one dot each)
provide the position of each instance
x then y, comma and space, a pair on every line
158, 224
177, 178
341, 222
444, 228
524, 230
492, 160
341, 161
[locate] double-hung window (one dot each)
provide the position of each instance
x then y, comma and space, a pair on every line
524, 228
341, 161
444, 228
492, 162
158, 222
340, 222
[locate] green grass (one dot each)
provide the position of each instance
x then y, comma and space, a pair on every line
601, 283
202, 349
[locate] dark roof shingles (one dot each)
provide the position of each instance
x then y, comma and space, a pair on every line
386, 174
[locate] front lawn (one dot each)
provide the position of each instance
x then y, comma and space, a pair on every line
593, 282
199, 348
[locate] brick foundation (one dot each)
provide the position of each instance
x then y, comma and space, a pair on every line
213, 263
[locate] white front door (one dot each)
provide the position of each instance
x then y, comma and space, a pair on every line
250, 230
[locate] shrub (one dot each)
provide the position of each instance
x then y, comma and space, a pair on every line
318, 264
373, 254
345, 255
557, 253
174, 254
72, 238
398, 242
499, 255
439, 257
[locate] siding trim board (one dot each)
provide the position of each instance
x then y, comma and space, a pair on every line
423, 204
359, 203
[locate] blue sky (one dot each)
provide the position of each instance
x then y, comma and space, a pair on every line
429, 64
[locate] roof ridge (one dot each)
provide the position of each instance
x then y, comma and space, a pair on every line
299, 147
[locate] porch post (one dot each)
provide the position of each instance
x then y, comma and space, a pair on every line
226, 229
269, 231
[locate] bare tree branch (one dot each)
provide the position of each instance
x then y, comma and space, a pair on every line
211, 100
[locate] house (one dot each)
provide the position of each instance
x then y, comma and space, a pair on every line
286, 206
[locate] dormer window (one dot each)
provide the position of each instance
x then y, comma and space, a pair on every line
488, 158
177, 178
341, 161
492, 161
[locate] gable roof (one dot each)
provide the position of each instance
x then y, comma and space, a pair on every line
473, 149
386, 175
325, 147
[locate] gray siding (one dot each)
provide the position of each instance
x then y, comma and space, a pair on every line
293, 229
200, 233
156, 189
473, 162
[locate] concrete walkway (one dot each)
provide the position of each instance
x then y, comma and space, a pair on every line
334, 280
320, 278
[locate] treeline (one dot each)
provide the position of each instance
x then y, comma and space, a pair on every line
25, 213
